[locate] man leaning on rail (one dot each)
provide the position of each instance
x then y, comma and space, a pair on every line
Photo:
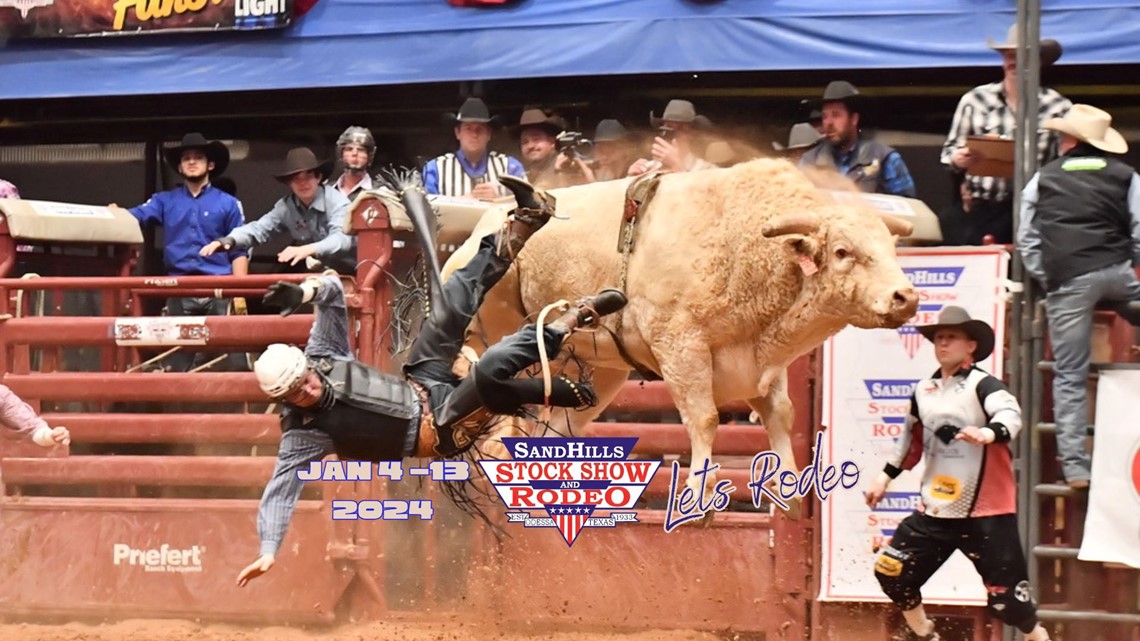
335, 404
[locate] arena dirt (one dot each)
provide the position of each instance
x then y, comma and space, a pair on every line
164, 630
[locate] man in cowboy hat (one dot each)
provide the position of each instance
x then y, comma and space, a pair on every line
874, 167
802, 137
1079, 237
962, 420
191, 215
472, 171
356, 149
613, 150
673, 147
537, 133
334, 404
313, 214
991, 109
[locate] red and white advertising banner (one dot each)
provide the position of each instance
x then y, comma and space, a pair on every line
867, 381
1112, 525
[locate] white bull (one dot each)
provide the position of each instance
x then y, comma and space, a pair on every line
735, 273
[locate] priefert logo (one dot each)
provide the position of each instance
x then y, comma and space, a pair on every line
161, 559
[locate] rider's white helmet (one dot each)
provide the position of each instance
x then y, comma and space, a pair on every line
279, 369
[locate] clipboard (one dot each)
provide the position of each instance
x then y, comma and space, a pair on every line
998, 154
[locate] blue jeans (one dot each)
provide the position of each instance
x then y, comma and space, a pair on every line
1070, 311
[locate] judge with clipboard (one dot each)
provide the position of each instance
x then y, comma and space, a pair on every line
979, 149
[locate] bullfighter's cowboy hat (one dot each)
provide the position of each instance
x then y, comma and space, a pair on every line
1050, 49
216, 152
610, 130
472, 110
303, 159
1091, 125
540, 119
678, 111
978, 331
802, 136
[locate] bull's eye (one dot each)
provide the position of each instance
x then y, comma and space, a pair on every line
842, 253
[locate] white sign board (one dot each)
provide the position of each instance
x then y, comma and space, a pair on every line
161, 331
1112, 525
867, 379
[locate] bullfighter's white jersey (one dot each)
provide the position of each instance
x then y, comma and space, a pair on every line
961, 479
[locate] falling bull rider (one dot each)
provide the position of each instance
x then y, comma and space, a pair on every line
336, 404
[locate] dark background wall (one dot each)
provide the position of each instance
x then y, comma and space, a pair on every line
912, 109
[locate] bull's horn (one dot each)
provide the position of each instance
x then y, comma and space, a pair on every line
526, 196
798, 223
897, 226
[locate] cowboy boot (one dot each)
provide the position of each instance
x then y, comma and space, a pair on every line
566, 393
589, 311
535, 208
461, 420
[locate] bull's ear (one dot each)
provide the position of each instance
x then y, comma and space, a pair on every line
897, 226
806, 252
803, 222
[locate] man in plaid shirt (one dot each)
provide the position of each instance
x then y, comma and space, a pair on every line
991, 109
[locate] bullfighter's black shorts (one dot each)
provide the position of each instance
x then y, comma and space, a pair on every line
922, 543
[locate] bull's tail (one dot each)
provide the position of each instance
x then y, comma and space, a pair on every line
409, 186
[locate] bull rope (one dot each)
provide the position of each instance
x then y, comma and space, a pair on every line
544, 414
637, 197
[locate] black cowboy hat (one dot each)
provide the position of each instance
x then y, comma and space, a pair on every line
303, 159
216, 152
473, 110
539, 118
978, 331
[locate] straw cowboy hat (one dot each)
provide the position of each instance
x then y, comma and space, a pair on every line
539, 118
802, 136
978, 331
1050, 49
303, 159
216, 152
1091, 125
472, 110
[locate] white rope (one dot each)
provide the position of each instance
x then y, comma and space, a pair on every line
546, 382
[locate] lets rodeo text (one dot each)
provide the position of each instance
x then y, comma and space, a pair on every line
771, 481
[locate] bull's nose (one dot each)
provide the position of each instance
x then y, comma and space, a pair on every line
906, 300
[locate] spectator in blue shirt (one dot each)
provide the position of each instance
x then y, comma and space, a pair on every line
872, 166
472, 171
192, 215
196, 212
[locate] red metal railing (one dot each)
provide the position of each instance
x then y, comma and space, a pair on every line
719, 577
309, 584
